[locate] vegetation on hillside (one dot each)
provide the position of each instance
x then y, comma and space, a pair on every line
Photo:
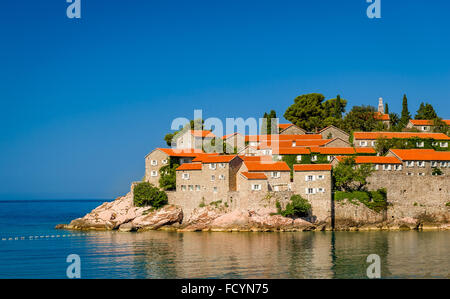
145, 194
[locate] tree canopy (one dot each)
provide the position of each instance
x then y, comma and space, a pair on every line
426, 111
360, 118
348, 176
406, 116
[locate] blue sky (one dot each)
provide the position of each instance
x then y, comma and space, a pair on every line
83, 101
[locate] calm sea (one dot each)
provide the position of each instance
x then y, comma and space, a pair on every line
204, 255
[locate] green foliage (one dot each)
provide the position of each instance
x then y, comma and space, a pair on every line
406, 116
374, 200
383, 145
440, 126
395, 121
360, 118
309, 111
269, 116
145, 194
347, 176
436, 171
426, 111
167, 179
298, 206
386, 108
447, 204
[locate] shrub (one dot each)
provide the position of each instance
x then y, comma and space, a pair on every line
374, 200
297, 207
145, 194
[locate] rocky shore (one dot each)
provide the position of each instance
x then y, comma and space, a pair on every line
122, 215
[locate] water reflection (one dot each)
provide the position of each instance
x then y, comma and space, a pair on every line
266, 255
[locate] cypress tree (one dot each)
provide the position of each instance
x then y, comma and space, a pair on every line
406, 116
386, 108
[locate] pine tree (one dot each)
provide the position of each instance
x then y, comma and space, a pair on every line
338, 108
386, 108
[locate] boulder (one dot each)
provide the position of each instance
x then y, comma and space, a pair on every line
237, 220
201, 218
166, 215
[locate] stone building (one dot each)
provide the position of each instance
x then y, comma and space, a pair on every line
332, 132
234, 140
193, 139
381, 164
423, 125
160, 157
368, 139
422, 162
290, 129
314, 183
277, 173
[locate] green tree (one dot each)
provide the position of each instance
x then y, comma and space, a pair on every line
426, 111
145, 194
440, 126
167, 179
395, 120
269, 117
406, 116
307, 111
386, 108
348, 176
334, 107
298, 206
360, 118
383, 145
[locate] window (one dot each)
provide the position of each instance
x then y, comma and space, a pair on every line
309, 178
197, 187
420, 144
373, 143
329, 158
421, 174
182, 161
424, 128
222, 165
386, 167
443, 144
294, 143
183, 187
314, 158
299, 157
212, 166
363, 143
185, 176
309, 190
276, 174
435, 143
321, 190
191, 188
434, 164
213, 178
154, 173
410, 174
443, 164
164, 161
398, 167
215, 189
221, 177
154, 162
421, 163
256, 187
280, 158
409, 163
320, 177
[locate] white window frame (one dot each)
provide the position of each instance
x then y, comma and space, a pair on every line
275, 174
410, 174
443, 164
222, 165
363, 143
309, 178
212, 166
154, 173
164, 161
320, 177
197, 188
387, 167
221, 177
191, 187
213, 178
443, 144
421, 164
434, 164
256, 187
154, 162
420, 144
185, 176
314, 158
409, 163
398, 167
310, 191
421, 174
215, 189
183, 187
299, 158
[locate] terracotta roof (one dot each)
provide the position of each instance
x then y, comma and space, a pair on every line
372, 160
291, 151
365, 150
254, 175
276, 137
333, 150
379, 116
421, 155
218, 159
266, 166
312, 167
284, 126
201, 157
330, 127
315, 142
229, 135
426, 122
256, 158
190, 166
185, 152
390, 135
203, 134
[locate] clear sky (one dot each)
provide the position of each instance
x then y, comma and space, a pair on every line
82, 101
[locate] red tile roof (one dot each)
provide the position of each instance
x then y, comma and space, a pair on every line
426, 122
201, 157
333, 150
421, 155
365, 150
190, 166
284, 126
185, 152
291, 151
203, 134
312, 167
254, 175
275, 137
390, 135
266, 166
372, 160
379, 116
229, 135
218, 159
256, 158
